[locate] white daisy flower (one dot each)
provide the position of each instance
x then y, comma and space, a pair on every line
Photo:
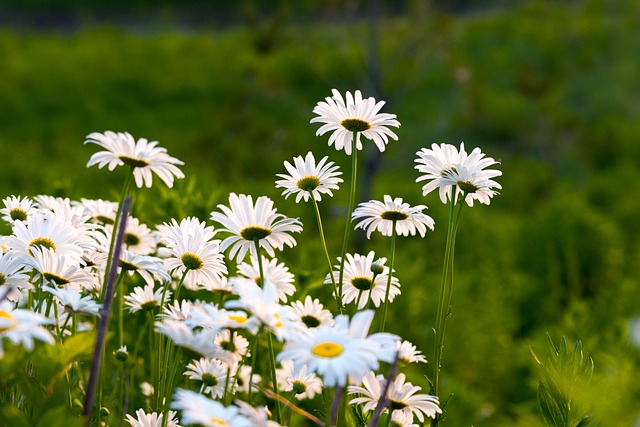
197, 409
238, 319
143, 156
13, 276
305, 385
381, 216
312, 313
74, 302
306, 179
277, 274
48, 231
444, 166
191, 250
22, 326
335, 353
400, 419
358, 279
150, 268
343, 117
46, 202
200, 341
145, 298
152, 420
137, 238
249, 223
408, 353
63, 209
232, 347
146, 389
61, 270
17, 208
101, 211
179, 310
402, 397
211, 373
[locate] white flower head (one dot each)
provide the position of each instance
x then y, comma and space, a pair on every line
305, 385
143, 156
211, 373
198, 409
311, 313
382, 216
276, 273
306, 179
152, 420
22, 326
145, 298
249, 223
17, 208
344, 116
359, 282
445, 166
74, 302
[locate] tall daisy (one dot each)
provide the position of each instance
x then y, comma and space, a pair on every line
402, 397
101, 211
192, 253
306, 179
311, 313
143, 156
444, 167
74, 302
254, 226
353, 114
61, 270
382, 216
304, 385
145, 298
361, 284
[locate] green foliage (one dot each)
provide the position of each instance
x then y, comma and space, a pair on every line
564, 385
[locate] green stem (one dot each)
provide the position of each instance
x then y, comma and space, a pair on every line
326, 253
347, 228
446, 291
391, 259
259, 258
123, 194
274, 378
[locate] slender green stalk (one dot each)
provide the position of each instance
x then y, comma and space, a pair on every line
326, 253
347, 228
446, 290
254, 351
391, 259
123, 194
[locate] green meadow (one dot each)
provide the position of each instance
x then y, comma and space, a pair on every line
548, 89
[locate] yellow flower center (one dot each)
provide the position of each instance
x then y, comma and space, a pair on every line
136, 163
308, 183
191, 261
355, 125
42, 242
254, 232
18, 214
237, 318
7, 321
327, 349
218, 422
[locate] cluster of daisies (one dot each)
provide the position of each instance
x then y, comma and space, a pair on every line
251, 343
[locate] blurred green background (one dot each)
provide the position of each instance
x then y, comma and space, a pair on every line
551, 89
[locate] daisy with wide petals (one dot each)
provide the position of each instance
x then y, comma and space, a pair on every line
199, 340
311, 313
402, 397
354, 114
61, 270
74, 302
101, 211
212, 375
152, 420
143, 156
336, 353
445, 166
252, 225
361, 284
13, 276
145, 298
382, 216
305, 385
17, 208
22, 326
192, 253
198, 409
306, 179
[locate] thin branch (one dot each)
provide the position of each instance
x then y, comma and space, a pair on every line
384, 399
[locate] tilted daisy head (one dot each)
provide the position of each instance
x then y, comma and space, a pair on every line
308, 179
17, 208
353, 114
445, 167
384, 216
251, 224
143, 156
